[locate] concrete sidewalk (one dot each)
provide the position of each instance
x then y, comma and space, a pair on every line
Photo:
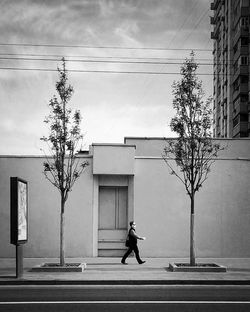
111, 271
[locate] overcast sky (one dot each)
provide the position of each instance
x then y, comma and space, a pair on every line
113, 105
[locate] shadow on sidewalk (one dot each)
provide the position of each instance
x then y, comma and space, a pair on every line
239, 270
104, 263
8, 276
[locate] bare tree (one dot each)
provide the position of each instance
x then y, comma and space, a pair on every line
63, 167
193, 150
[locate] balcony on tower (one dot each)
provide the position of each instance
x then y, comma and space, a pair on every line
214, 5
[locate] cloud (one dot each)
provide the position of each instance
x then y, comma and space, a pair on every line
39, 21
106, 8
129, 121
127, 32
7, 125
112, 105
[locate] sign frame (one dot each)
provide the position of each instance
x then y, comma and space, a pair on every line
18, 211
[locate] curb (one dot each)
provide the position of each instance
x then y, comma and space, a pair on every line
124, 282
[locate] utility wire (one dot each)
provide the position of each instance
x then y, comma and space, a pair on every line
148, 84
102, 47
111, 60
184, 22
103, 71
197, 24
98, 61
101, 57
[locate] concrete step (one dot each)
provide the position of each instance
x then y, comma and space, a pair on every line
111, 244
111, 252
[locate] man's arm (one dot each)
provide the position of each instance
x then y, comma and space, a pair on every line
132, 232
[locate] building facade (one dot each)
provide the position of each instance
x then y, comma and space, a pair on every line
230, 33
131, 181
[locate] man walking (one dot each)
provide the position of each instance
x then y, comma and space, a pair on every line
132, 244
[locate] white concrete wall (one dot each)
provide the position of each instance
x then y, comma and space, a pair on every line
222, 210
157, 202
44, 210
235, 148
162, 208
113, 159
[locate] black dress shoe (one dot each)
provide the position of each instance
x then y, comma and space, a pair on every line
123, 262
142, 262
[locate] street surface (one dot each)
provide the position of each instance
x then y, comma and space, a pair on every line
127, 306
124, 298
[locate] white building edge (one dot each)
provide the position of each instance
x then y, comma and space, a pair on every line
131, 181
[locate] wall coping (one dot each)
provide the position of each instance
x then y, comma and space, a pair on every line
114, 144
39, 156
172, 158
174, 138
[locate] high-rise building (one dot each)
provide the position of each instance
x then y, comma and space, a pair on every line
231, 106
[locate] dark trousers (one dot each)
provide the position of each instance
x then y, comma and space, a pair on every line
128, 252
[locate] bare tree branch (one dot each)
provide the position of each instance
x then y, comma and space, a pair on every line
193, 150
62, 169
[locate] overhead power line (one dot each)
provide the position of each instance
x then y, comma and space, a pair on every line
102, 57
99, 71
97, 61
184, 22
112, 60
196, 25
102, 47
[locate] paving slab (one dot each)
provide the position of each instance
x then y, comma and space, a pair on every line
101, 270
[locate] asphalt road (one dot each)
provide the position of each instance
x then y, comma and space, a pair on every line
14, 293
135, 306
124, 298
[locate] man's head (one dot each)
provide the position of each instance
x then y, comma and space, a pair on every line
132, 224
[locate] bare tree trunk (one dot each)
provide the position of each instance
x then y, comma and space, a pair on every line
62, 222
192, 244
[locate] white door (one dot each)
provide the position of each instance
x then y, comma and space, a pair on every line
113, 220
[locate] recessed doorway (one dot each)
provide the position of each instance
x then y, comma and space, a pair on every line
112, 220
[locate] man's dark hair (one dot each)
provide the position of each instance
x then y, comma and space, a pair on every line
131, 223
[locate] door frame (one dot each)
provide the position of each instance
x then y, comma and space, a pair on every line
114, 181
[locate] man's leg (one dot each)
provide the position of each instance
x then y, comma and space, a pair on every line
136, 250
127, 253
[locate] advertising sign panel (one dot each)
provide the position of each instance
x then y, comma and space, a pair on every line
19, 210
